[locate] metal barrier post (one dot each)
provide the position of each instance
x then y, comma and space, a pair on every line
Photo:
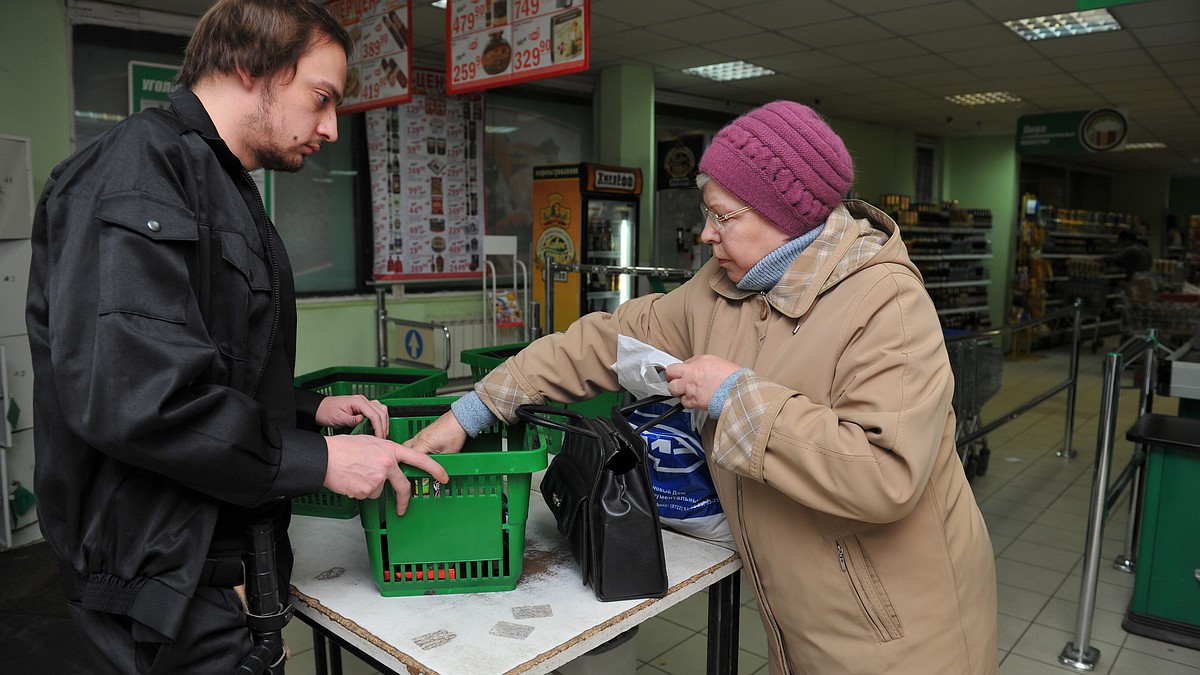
549, 274
1127, 560
1068, 451
381, 348
1078, 654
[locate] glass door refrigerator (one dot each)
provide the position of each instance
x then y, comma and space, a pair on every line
584, 214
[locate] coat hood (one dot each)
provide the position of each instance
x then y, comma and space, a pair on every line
856, 235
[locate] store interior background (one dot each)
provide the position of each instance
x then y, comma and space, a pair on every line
877, 69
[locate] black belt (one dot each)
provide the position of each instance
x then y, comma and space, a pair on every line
222, 572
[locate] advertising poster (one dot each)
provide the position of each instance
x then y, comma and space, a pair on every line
427, 183
557, 227
380, 67
491, 43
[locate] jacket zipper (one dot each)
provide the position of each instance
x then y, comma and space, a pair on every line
262, 209
872, 600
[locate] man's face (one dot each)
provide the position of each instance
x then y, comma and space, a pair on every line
295, 116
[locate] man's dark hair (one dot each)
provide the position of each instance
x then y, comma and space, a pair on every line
264, 38
1127, 236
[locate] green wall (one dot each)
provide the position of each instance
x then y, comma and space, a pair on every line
35, 76
884, 158
1145, 194
982, 173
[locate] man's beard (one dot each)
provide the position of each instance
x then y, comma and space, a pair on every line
268, 154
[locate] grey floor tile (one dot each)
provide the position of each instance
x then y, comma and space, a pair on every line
1028, 577
1041, 555
657, 635
1163, 650
1020, 603
1130, 662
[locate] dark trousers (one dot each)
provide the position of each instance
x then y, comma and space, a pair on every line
213, 639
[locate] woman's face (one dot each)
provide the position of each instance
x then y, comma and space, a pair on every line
743, 239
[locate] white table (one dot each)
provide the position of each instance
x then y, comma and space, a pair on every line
482, 633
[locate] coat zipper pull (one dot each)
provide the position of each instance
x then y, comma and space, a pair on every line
841, 556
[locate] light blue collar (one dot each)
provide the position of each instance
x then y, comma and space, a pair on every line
768, 271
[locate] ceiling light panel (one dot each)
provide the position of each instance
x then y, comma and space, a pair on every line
729, 71
983, 98
1064, 25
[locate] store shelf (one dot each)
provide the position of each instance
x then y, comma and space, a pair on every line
950, 311
959, 284
951, 256
1060, 258
951, 248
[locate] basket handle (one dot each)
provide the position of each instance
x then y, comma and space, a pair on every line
533, 414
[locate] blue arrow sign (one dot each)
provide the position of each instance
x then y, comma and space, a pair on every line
413, 344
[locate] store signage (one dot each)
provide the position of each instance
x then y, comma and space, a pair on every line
380, 65
427, 183
417, 344
1085, 5
679, 161
492, 43
150, 85
602, 178
1099, 130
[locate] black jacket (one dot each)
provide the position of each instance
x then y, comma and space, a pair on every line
162, 322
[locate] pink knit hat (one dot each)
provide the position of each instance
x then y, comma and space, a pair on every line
783, 160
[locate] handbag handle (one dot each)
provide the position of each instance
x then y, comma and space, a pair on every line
647, 401
532, 414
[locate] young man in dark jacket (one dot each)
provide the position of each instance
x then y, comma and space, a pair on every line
162, 321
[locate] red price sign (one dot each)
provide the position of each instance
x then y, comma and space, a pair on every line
523, 9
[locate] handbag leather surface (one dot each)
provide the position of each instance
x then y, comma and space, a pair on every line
598, 488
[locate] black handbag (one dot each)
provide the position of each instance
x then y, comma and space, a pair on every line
598, 488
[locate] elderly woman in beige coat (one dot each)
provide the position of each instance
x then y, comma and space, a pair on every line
813, 346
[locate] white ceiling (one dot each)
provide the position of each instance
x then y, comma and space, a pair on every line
891, 62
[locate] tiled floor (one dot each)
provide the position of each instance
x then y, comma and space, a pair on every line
1035, 504
1036, 507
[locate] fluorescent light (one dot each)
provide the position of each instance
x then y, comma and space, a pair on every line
440, 4
732, 70
1144, 146
984, 98
1064, 25
498, 129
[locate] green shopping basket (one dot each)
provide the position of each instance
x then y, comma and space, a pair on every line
466, 536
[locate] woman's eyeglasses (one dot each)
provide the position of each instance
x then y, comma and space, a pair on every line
718, 221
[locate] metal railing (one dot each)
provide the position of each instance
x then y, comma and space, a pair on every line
1079, 653
1070, 384
427, 330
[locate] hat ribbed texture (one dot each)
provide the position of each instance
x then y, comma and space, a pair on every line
783, 160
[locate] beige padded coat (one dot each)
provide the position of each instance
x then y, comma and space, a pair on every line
834, 460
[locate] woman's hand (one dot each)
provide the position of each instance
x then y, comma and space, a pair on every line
445, 434
694, 381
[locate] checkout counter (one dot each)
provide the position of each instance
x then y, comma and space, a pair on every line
1166, 597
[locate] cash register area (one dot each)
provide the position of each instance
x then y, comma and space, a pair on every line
1035, 504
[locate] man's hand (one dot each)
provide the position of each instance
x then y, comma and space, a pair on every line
348, 411
694, 381
359, 465
444, 435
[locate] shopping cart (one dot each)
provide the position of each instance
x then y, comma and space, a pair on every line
1174, 322
976, 365
1092, 294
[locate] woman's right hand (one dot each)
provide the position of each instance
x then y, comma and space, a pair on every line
445, 434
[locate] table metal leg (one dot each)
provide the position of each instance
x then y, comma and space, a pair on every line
723, 607
319, 659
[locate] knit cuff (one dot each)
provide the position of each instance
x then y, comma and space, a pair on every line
717, 402
472, 414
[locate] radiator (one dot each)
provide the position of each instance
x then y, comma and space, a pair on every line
476, 334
